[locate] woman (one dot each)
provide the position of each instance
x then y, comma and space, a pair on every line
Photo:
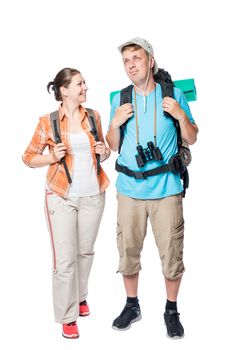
73, 210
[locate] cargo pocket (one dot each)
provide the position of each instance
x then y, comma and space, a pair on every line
177, 267
178, 241
119, 240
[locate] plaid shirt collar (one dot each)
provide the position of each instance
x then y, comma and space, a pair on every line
62, 112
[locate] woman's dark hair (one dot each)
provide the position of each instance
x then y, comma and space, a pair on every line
63, 78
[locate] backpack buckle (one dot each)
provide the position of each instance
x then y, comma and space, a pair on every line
140, 175
177, 164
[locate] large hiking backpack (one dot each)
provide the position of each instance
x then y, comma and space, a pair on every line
182, 159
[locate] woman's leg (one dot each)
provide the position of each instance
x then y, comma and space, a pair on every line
90, 210
61, 216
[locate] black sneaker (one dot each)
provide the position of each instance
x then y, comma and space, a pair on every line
131, 313
175, 329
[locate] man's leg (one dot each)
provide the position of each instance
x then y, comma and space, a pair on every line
131, 312
131, 231
172, 288
166, 216
171, 315
131, 284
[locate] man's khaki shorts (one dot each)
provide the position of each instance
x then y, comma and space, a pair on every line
166, 217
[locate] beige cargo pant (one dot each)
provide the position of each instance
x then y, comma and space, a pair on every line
166, 218
73, 226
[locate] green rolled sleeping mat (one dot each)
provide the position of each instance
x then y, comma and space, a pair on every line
186, 85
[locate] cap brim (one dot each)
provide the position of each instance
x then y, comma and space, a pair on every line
155, 67
125, 44
120, 48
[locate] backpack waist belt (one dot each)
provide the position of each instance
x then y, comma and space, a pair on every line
175, 165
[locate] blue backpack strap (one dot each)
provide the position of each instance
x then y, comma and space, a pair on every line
125, 97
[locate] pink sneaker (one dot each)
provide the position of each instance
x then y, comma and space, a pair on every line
70, 330
84, 308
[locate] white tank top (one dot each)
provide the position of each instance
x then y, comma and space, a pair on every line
84, 178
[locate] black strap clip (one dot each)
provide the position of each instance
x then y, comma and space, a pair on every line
177, 164
139, 175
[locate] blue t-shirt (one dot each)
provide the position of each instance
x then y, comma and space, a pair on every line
157, 186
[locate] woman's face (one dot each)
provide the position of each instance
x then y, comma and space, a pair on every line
76, 90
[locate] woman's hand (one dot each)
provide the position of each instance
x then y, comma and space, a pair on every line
100, 148
58, 152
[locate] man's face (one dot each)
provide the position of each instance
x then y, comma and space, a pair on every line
136, 64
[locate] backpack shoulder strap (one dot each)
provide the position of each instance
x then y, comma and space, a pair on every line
55, 125
168, 91
125, 97
94, 131
92, 123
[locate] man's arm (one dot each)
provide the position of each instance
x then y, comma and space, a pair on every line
113, 137
122, 114
188, 129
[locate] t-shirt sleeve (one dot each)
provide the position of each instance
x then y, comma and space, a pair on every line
181, 99
114, 105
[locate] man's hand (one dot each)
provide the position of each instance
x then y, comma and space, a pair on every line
171, 106
122, 114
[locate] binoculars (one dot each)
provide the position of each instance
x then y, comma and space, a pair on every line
148, 154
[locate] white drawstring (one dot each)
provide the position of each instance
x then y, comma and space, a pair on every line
143, 92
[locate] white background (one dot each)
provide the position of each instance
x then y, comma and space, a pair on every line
191, 39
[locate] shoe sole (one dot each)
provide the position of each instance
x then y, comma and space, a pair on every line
175, 337
70, 337
129, 326
84, 314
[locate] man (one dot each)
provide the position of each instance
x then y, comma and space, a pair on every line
157, 197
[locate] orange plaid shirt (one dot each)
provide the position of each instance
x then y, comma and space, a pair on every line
43, 137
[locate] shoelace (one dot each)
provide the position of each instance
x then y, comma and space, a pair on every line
174, 318
72, 323
83, 302
126, 312
174, 322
